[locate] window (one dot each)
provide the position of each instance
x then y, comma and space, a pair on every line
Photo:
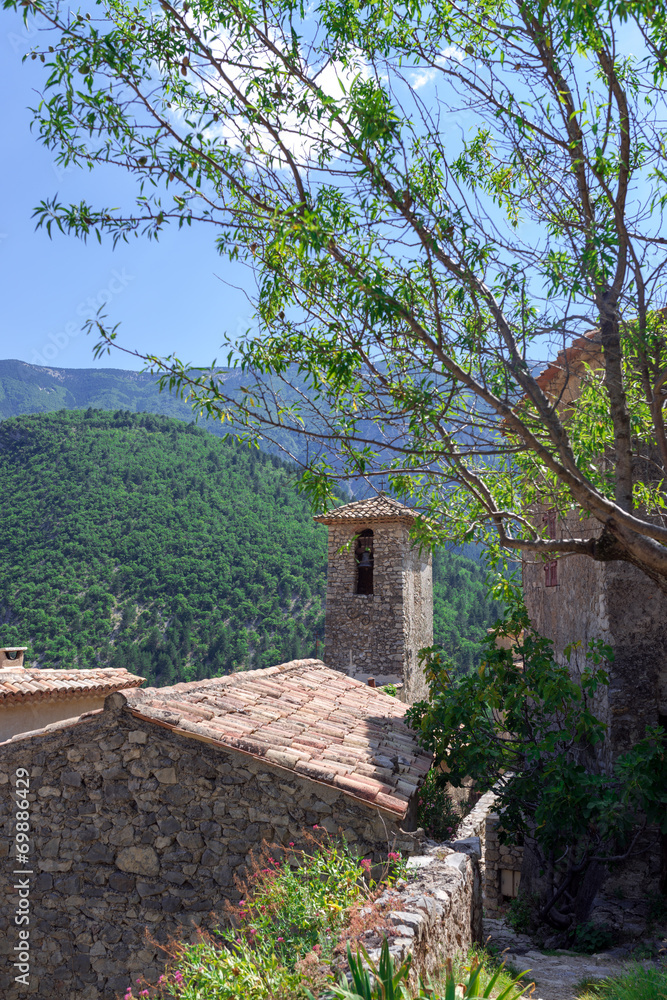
550, 522
363, 556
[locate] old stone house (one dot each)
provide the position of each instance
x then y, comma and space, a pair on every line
143, 813
32, 698
575, 599
379, 606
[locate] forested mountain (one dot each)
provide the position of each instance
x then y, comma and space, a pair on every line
28, 388
145, 542
140, 541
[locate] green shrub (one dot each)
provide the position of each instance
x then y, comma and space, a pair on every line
436, 812
590, 937
636, 983
280, 938
519, 913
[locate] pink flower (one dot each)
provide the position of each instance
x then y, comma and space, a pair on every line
241, 902
291, 843
144, 993
178, 976
393, 856
315, 826
280, 939
366, 866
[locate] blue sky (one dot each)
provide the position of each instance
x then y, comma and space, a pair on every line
168, 296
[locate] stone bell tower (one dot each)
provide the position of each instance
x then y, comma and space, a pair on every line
379, 610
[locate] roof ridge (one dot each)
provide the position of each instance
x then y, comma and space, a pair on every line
380, 507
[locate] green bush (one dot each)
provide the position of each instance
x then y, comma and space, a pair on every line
519, 913
590, 938
436, 812
384, 981
636, 983
280, 938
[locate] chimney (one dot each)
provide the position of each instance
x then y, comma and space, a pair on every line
12, 657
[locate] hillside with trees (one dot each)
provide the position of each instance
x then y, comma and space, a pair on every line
140, 541
26, 388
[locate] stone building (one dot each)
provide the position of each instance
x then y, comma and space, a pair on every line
143, 813
379, 607
574, 599
32, 698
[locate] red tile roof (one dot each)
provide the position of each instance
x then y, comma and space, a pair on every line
305, 717
21, 684
379, 508
586, 349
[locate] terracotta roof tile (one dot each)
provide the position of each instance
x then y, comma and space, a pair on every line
379, 508
23, 684
308, 718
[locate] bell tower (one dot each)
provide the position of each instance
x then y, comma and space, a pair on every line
379, 610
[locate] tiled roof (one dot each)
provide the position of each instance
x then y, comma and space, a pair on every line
379, 508
23, 684
584, 350
303, 716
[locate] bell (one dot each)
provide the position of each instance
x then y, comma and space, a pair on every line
365, 562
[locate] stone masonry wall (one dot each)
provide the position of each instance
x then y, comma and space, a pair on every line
616, 603
379, 635
499, 858
418, 617
137, 836
622, 903
434, 915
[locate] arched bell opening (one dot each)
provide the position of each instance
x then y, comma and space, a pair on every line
363, 556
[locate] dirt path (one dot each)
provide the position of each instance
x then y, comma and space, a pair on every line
555, 976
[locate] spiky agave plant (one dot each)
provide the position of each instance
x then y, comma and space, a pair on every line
389, 984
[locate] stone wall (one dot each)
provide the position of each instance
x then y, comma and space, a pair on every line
616, 603
138, 834
432, 916
379, 635
418, 618
502, 868
622, 904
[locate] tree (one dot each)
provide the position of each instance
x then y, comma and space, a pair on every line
431, 197
525, 726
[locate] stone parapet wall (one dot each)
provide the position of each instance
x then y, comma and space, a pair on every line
138, 834
502, 868
433, 916
499, 862
474, 824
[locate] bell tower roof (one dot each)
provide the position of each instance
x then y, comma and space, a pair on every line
379, 508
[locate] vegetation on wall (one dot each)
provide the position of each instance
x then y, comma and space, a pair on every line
140, 541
